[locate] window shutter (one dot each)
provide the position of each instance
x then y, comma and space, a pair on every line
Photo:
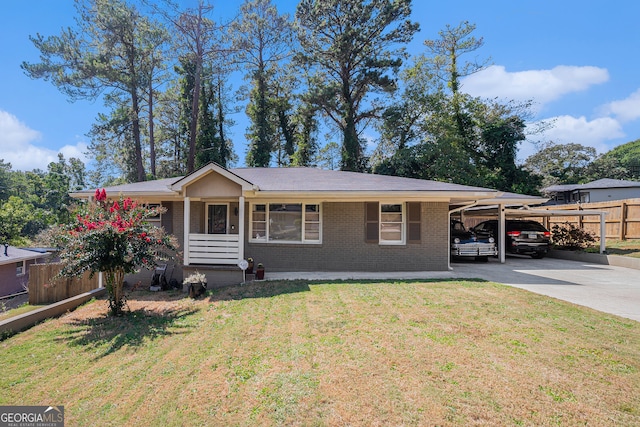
414, 221
372, 214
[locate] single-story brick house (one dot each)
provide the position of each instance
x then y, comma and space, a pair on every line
14, 268
304, 219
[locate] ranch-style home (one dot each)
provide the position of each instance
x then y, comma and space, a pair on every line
14, 268
305, 219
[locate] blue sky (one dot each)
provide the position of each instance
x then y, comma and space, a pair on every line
578, 61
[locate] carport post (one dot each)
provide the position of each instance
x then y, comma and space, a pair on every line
501, 234
603, 233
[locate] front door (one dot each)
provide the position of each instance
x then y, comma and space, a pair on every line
217, 218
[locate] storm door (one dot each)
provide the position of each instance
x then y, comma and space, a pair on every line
217, 218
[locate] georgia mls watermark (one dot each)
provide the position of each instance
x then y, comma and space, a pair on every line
31, 416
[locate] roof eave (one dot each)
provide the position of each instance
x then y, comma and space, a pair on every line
164, 195
444, 196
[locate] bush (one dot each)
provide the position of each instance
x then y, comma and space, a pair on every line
568, 236
113, 237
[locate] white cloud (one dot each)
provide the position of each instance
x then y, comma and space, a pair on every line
625, 110
542, 86
13, 133
579, 130
17, 148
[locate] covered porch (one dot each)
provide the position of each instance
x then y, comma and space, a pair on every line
215, 237
213, 223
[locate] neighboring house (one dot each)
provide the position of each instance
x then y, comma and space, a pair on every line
14, 268
602, 190
304, 219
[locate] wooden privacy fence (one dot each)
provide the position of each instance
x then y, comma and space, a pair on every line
622, 219
44, 290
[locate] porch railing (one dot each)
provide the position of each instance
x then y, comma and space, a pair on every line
214, 248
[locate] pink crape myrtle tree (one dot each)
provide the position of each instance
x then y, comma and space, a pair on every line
115, 238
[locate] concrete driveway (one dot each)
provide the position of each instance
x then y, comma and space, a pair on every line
614, 290
606, 288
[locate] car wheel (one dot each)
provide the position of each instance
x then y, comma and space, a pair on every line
482, 258
537, 256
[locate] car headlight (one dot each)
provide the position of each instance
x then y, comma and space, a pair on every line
491, 240
456, 240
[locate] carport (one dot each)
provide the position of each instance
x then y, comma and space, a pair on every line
511, 205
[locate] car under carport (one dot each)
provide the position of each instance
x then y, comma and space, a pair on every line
516, 206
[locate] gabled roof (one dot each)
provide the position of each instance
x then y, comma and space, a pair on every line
295, 181
206, 170
598, 184
301, 182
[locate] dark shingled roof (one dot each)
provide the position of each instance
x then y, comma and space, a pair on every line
312, 179
303, 180
599, 184
156, 186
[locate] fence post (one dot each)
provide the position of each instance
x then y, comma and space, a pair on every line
623, 221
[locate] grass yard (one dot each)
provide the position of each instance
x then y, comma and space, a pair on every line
624, 247
24, 308
362, 354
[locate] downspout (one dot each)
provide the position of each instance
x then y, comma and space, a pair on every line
449, 230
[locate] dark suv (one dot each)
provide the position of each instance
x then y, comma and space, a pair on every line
522, 236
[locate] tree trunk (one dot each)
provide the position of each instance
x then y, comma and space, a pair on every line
115, 283
224, 154
135, 110
152, 141
195, 111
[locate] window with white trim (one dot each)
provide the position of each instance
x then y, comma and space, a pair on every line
286, 223
21, 268
155, 220
392, 224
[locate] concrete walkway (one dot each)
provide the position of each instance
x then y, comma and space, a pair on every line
614, 290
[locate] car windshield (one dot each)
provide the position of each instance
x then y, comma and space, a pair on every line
457, 226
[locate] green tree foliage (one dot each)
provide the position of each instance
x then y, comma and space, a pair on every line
171, 132
34, 200
329, 156
199, 43
110, 147
606, 167
15, 214
5, 180
115, 238
625, 156
352, 45
561, 163
211, 145
108, 50
306, 125
478, 139
444, 58
263, 39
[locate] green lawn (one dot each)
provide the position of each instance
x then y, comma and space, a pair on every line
301, 353
18, 310
624, 247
